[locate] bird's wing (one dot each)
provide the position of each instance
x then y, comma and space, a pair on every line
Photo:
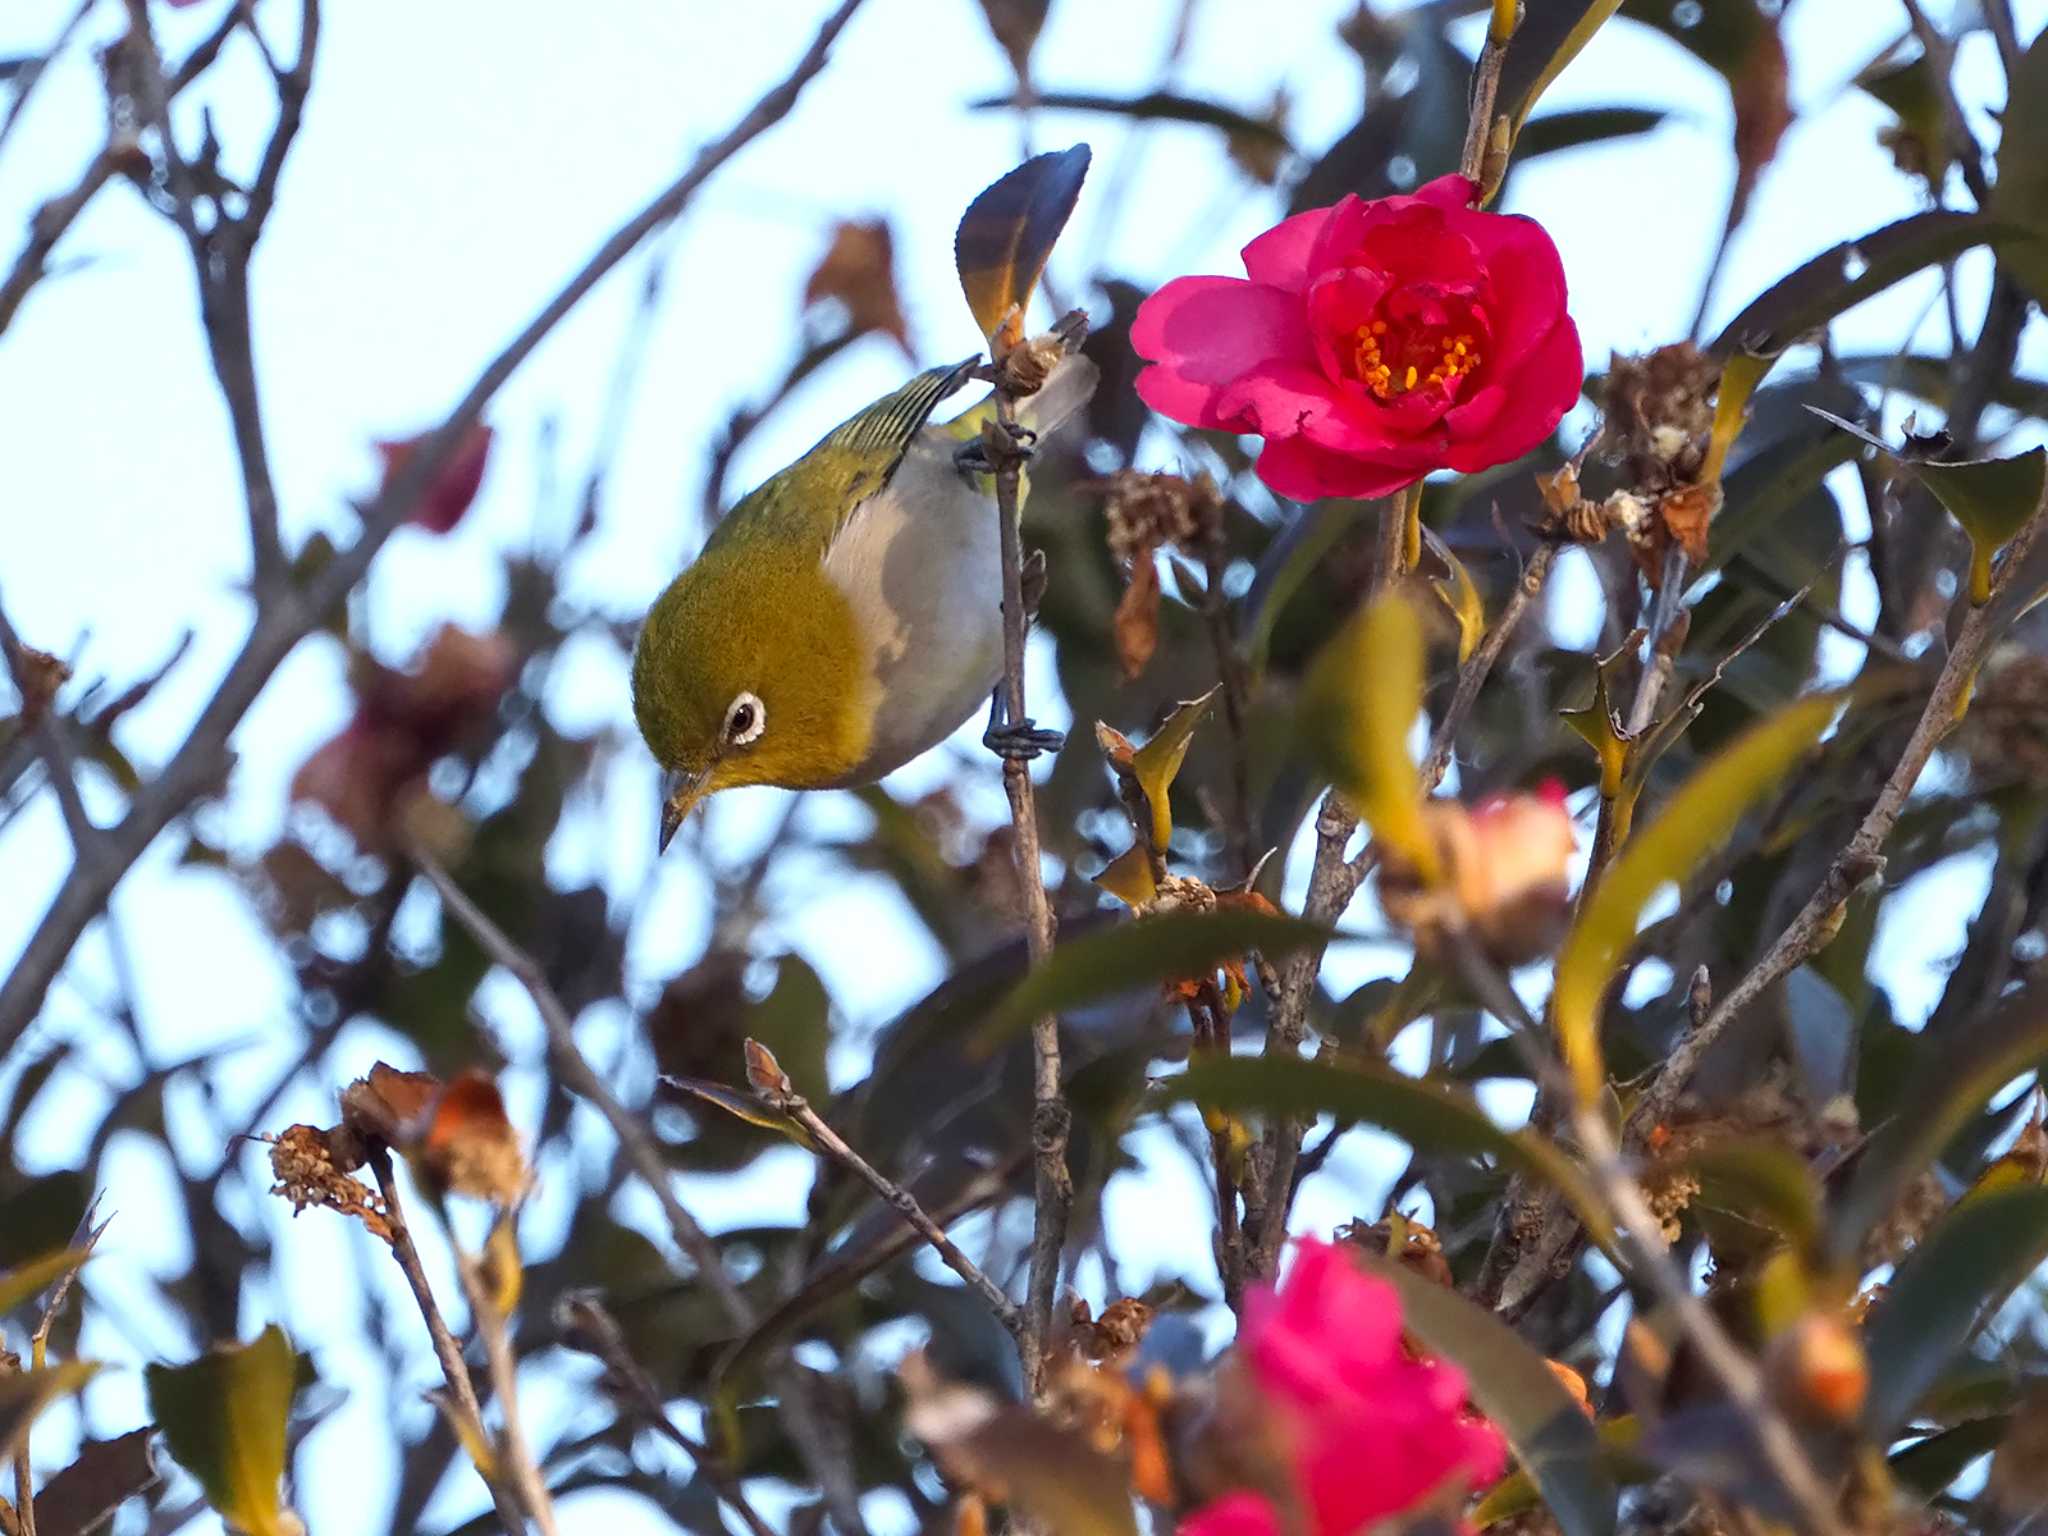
817, 495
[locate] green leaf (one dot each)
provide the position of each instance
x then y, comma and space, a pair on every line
1157, 763
1008, 232
26, 1394
17, 1285
1991, 498
1929, 1465
2022, 191
1943, 1290
1549, 37
1697, 819
1515, 1387
1951, 1080
1574, 129
1423, 1113
1126, 956
1517, 1494
223, 1419
1762, 1181
1358, 705
1845, 275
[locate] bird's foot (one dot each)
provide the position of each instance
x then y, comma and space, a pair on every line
1020, 741
1001, 443
1023, 741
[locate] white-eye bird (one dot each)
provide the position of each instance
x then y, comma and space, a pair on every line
847, 614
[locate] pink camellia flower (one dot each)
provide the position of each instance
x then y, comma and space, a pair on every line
1371, 343
1371, 1431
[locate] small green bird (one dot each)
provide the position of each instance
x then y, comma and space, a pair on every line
846, 616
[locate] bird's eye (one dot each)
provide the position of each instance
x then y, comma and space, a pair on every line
745, 719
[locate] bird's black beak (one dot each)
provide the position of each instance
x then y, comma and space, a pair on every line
679, 792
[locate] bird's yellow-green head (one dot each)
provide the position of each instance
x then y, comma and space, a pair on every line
749, 671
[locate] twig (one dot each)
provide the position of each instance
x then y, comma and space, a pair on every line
773, 1087
1816, 922
1481, 148
1941, 68
577, 1075
55, 748
462, 1391
285, 617
1053, 1184
583, 1314
1473, 674
30, 75
515, 1457
1650, 1261
574, 1071
38, 1358
46, 226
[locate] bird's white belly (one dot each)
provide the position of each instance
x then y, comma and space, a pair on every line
921, 565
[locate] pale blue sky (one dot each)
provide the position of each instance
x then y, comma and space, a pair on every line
458, 162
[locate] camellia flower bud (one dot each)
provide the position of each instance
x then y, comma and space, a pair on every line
1507, 868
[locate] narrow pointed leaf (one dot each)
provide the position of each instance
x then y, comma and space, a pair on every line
1577, 127
25, 1394
1762, 1181
1696, 820
1460, 594
1008, 232
1845, 275
1425, 1114
1155, 764
739, 1104
223, 1419
1154, 107
2022, 191
1514, 1387
1991, 498
24, 1281
1517, 1493
1549, 37
1943, 1291
1357, 708
1128, 877
1929, 1465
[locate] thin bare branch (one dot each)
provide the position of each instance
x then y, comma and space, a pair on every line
1817, 921
778, 1094
1053, 1191
514, 1455
462, 1391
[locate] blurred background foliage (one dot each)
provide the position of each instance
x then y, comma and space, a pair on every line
457, 749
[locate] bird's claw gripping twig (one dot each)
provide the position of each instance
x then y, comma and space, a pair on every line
1021, 740
985, 455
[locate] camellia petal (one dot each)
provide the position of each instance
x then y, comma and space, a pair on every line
1370, 1431
1202, 333
1280, 256
1297, 468
1545, 390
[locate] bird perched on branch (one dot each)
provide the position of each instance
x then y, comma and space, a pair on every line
846, 616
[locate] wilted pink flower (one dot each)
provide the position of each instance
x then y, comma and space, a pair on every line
1371, 343
403, 722
1371, 1431
461, 477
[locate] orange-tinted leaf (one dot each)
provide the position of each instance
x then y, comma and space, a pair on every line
858, 271
1006, 235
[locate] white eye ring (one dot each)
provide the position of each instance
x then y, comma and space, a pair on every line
745, 719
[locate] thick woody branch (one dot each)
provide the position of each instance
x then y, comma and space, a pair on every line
286, 615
